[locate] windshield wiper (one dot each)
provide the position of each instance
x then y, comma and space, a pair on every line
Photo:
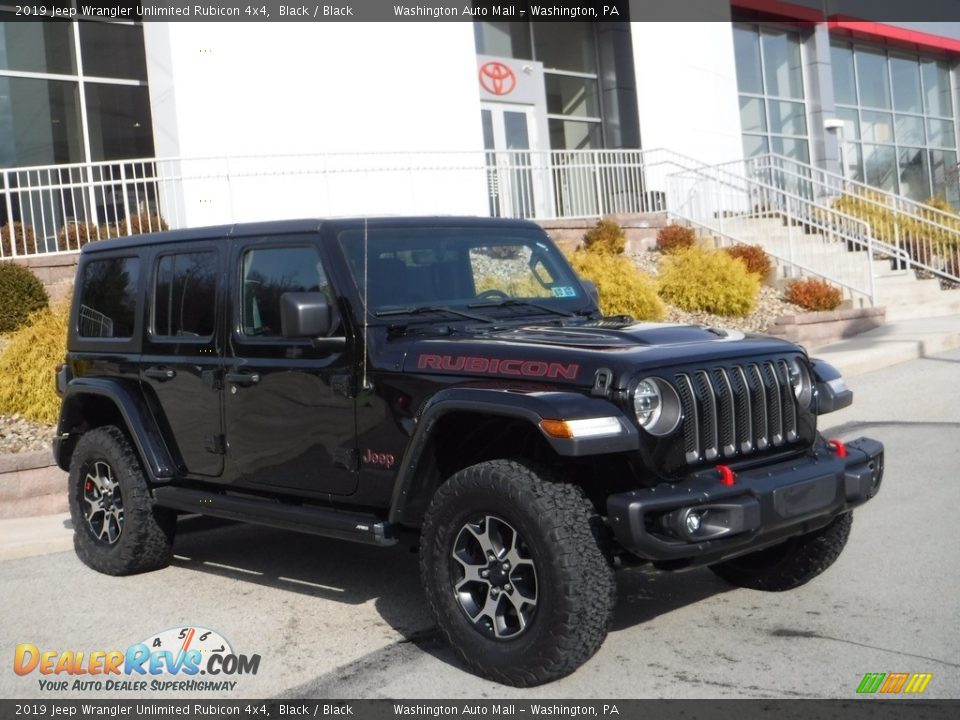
426, 309
516, 302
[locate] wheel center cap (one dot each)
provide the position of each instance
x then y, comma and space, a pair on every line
498, 576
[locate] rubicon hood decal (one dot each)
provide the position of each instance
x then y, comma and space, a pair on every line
498, 366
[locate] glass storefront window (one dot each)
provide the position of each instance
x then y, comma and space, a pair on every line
898, 155
746, 44
753, 114
941, 133
914, 175
572, 96
844, 80
909, 130
874, 84
503, 39
906, 84
112, 50
792, 148
943, 170
119, 121
880, 164
851, 123
788, 118
39, 122
574, 135
773, 116
566, 46
877, 127
45, 47
936, 85
781, 61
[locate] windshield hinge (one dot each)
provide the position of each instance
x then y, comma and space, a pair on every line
603, 383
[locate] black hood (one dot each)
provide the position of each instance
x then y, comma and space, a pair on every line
573, 354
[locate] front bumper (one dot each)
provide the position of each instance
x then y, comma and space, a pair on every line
763, 506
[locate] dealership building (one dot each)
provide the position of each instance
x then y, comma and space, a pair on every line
264, 120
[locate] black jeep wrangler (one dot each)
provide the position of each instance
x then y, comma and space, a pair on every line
356, 378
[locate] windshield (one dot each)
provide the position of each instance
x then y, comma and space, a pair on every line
435, 268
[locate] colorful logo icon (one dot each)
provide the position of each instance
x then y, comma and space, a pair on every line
497, 79
894, 683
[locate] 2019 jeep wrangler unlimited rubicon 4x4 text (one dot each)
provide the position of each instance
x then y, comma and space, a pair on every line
358, 378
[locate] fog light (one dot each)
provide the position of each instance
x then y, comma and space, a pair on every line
693, 522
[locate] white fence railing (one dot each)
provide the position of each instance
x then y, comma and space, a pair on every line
928, 237
56, 209
60, 208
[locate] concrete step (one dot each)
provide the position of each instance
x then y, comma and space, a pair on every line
947, 304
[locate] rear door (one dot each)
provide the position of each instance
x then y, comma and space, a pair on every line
290, 425
183, 351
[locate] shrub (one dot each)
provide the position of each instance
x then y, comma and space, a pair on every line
142, 222
75, 235
515, 286
624, 289
754, 257
814, 294
27, 366
675, 238
940, 203
606, 238
23, 237
21, 293
708, 280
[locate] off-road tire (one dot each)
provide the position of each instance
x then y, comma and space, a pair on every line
145, 541
562, 535
790, 564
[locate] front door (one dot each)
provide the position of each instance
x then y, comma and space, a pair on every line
289, 423
515, 180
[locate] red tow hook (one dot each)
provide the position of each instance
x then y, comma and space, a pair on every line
839, 448
726, 475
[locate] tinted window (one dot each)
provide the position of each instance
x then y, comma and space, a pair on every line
108, 298
185, 296
268, 273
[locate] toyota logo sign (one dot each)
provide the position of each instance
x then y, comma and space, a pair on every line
497, 79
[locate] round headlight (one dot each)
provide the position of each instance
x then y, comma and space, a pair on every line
800, 382
657, 406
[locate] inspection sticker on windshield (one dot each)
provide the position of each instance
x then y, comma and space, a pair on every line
563, 291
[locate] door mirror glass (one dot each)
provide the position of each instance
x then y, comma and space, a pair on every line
305, 315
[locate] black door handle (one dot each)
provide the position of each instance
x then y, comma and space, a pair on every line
243, 378
160, 373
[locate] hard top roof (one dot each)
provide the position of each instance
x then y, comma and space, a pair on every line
287, 227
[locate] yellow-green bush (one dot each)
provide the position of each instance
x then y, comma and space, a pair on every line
27, 366
708, 280
606, 238
21, 293
624, 289
517, 286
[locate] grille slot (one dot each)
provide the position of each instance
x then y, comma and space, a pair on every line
736, 410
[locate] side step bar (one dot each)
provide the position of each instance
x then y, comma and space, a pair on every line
356, 527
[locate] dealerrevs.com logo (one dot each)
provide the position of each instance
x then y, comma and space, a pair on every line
187, 659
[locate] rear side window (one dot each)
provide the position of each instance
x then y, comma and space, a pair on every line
108, 298
185, 295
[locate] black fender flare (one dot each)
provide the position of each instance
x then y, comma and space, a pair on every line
529, 406
132, 407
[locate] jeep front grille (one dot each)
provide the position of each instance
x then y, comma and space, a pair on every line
736, 410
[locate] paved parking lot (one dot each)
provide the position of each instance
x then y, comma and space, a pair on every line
332, 619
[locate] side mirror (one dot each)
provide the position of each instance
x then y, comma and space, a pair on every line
592, 291
305, 315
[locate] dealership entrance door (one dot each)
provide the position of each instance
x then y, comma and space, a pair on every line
518, 177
